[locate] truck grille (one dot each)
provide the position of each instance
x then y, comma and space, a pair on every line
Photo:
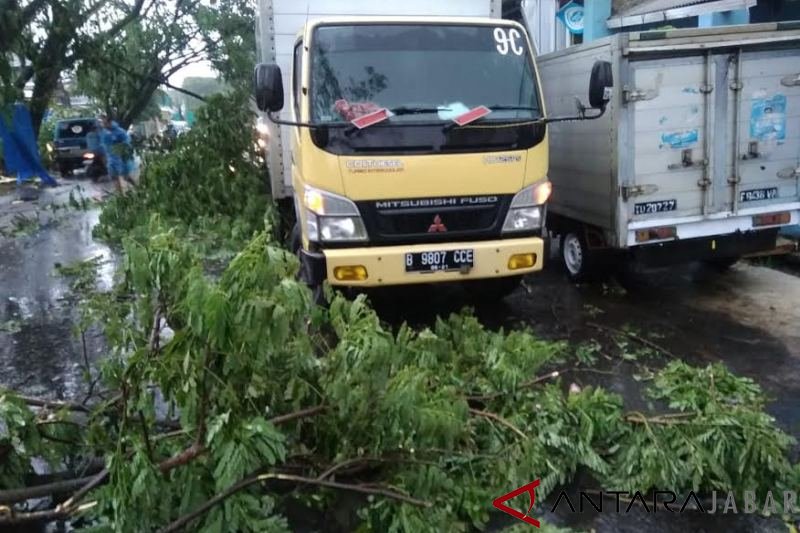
434, 219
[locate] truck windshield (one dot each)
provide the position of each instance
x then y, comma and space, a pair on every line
428, 72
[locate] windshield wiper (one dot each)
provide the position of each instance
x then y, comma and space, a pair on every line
401, 110
512, 108
418, 110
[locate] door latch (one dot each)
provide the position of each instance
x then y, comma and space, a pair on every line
789, 173
687, 162
752, 151
630, 191
792, 80
637, 95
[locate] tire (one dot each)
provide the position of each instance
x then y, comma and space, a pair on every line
722, 264
317, 290
576, 256
64, 170
492, 289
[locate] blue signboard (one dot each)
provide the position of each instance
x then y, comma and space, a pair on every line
571, 15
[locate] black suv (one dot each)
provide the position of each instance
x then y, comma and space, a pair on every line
73, 139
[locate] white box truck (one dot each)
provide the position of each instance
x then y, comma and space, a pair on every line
697, 157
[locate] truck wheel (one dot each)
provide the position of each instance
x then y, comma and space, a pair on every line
296, 243
576, 255
492, 289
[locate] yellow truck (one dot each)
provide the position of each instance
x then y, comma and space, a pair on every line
413, 146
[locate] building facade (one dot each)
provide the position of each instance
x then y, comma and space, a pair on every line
551, 32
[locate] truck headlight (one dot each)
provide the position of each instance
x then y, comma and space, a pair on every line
525, 212
332, 218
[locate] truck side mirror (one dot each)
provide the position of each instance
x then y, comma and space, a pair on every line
600, 84
268, 87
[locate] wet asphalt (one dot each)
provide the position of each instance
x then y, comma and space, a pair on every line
40, 351
746, 318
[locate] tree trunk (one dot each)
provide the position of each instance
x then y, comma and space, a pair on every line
44, 86
48, 65
145, 93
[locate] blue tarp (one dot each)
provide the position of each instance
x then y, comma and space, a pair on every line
20, 150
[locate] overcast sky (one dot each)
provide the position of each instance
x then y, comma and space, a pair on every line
202, 69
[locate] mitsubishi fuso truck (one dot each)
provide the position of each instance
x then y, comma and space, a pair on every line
697, 157
409, 139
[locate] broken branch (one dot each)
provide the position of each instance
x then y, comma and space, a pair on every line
40, 491
52, 404
633, 336
302, 413
499, 419
529, 383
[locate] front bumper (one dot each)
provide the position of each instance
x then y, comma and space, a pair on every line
70, 161
386, 264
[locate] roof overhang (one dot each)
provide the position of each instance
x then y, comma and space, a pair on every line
677, 10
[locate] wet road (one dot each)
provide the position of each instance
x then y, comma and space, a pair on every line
747, 318
40, 353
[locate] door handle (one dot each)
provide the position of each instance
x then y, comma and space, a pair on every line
752, 151
793, 80
687, 162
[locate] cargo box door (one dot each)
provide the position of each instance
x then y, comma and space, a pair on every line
668, 106
764, 163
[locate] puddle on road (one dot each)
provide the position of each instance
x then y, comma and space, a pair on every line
39, 351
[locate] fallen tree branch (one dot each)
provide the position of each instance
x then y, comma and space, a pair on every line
366, 460
302, 413
40, 491
155, 332
182, 458
183, 521
633, 336
51, 404
636, 417
524, 385
87, 484
373, 489
8, 516
344, 464
499, 419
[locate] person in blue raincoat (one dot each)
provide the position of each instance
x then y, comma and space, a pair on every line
118, 151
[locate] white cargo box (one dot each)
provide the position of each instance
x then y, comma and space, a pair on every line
703, 132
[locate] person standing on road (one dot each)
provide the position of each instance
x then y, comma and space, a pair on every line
118, 150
